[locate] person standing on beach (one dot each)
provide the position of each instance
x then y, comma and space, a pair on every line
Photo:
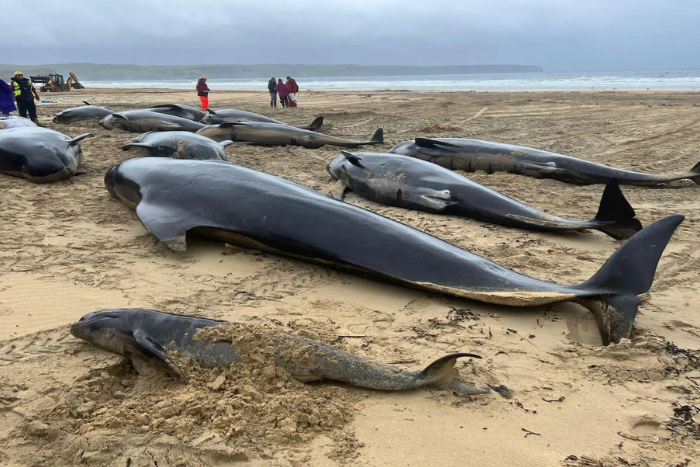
293, 89
25, 93
203, 92
272, 87
7, 102
283, 91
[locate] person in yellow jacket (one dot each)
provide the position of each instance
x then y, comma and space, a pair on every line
25, 93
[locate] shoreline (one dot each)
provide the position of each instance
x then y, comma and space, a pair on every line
498, 90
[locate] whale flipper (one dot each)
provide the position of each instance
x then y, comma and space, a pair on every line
151, 349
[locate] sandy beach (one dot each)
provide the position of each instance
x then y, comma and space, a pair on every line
69, 249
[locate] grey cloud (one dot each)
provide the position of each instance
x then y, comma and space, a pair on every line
592, 34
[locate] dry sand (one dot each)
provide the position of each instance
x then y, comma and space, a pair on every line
68, 248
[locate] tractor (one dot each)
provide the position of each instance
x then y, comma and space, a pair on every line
54, 82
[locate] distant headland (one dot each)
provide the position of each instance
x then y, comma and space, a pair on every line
107, 72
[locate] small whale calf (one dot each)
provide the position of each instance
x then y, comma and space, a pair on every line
149, 337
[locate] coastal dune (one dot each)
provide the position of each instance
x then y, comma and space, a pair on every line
70, 249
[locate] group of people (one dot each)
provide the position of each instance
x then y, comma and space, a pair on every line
19, 95
287, 92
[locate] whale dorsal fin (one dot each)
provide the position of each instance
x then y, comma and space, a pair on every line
211, 112
353, 159
86, 103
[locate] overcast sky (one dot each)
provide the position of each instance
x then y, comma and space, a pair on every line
559, 35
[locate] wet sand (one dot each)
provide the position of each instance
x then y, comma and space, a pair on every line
69, 248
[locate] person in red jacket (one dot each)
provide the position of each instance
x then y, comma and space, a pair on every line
203, 92
293, 89
283, 92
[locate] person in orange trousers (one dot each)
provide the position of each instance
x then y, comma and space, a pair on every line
203, 92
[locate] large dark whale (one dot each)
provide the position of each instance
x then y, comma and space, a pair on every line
141, 121
472, 155
415, 184
179, 145
85, 112
244, 207
13, 121
215, 117
39, 154
179, 110
147, 336
274, 134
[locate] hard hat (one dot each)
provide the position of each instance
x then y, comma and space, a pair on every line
18, 73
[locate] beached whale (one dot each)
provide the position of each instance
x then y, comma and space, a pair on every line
173, 197
82, 113
215, 117
147, 337
179, 145
141, 121
179, 110
472, 155
274, 134
415, 184
13, 121
39, 154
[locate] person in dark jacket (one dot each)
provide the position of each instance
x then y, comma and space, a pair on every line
203, 92
272, 87
293, 89
7, 101
283, 91
25, 93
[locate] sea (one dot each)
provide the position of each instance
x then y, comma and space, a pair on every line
653, 80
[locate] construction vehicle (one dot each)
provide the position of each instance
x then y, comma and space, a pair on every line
53, 82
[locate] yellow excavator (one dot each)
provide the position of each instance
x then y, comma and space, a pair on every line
53, 82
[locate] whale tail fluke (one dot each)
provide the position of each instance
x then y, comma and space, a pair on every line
616, 213
613, 290
442, 374
696, 170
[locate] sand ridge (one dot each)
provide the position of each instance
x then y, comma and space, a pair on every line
68, 248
